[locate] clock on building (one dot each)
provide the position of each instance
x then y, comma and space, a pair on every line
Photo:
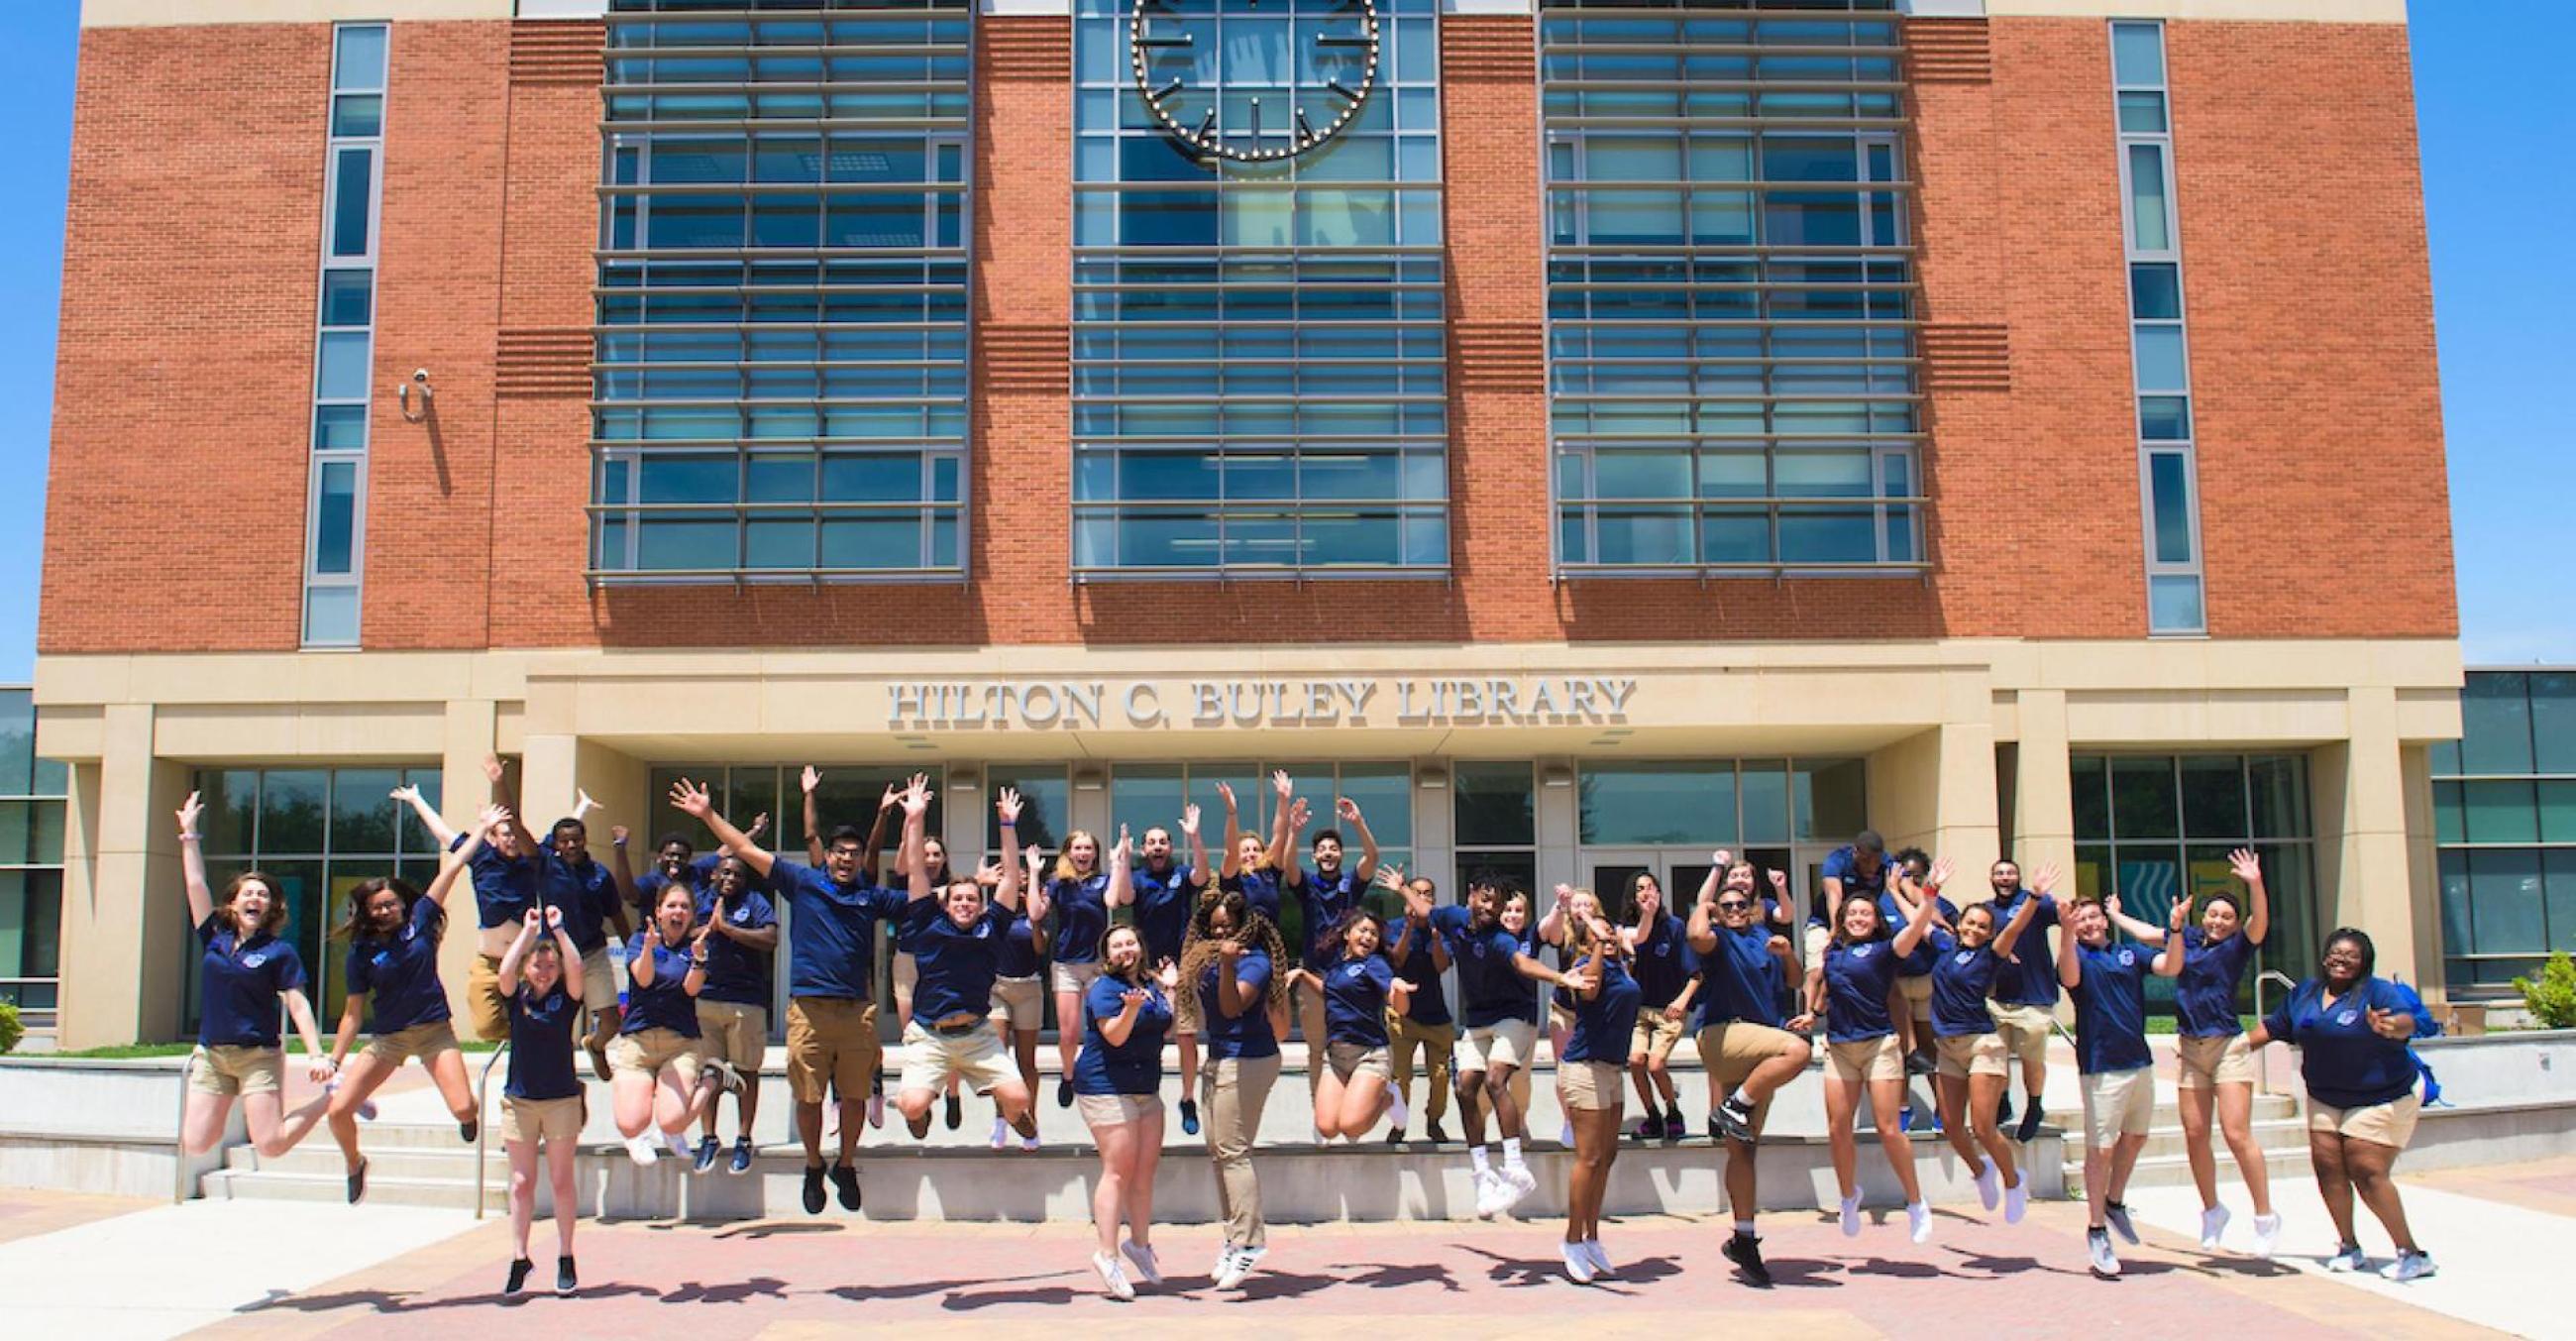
1254, 81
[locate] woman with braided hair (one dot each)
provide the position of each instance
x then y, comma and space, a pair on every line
1233, 966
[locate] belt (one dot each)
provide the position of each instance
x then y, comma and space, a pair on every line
958, 1027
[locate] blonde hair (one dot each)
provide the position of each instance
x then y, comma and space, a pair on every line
1064, 867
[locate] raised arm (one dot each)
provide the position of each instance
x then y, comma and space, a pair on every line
454, 864
428, 815
531, 924
1286, 819
505, 793
2020, 922
1701, 932
1232, 863
1006, 812
1781, 913
1551, 928
1349, 810
912, 856
875, 841
808, 781
2070, 968
1122, 872
566, 953
691, 799
1033, 889
621, 874
1198, 843
2258, 912
2168, 962
1919, 913
192, 862
2147, 932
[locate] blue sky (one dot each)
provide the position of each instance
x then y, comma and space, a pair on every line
2496, 128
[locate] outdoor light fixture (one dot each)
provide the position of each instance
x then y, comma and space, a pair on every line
402, 395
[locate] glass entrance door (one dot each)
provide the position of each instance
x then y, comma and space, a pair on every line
1612, 873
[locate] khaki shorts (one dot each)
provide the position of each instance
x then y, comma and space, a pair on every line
2023, 1029
1965, 1055
228, 1069
599, 984
1815, 941
1868, 1059
832, 1044
1917, 992
549, 1120
733, 1033
907, 975
424, 1041
489, 1011
1074, 978
1019, 1004
2117, 1104
1507, 1043
1358, 1059
1729, 1051
1589, 1087
1656, 1033
2389, 1124
648, 1051
1116, 1110
977, 1058
2207, 1063
1560, 1021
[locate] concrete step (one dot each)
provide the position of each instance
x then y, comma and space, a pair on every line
2279, 1134
2174, 1170
332, 1188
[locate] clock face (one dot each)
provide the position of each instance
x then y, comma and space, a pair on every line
1254, 81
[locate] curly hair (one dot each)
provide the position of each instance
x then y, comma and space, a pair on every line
1199, 950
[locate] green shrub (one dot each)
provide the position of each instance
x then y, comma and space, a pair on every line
2552, 999
10, 1028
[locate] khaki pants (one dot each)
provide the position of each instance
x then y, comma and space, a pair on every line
1435, 1040
489, 1011
1232, 1091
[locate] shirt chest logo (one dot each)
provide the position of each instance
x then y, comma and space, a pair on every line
1964, 958
2347, 1017
2128, 958
1862, 951
1663, 950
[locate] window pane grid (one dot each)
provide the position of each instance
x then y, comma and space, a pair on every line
2160, 344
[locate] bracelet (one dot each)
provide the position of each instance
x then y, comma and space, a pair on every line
188, 838
1010, 824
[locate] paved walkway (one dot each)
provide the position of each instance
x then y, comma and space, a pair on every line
275, 1269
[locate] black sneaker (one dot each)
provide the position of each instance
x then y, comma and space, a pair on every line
706, 1156
741, 1156
599, 1062
1716, 1129
845, 1183
813, 1189
1064, 1093
1648, 1128
1190, 1118
2118, 1215
1674, 1128
1735, 1121
358, 1184
467, 1129
1435, 1134
919, 1127
2030, 1119
1920, 1064
565, 1281
2003, 1111
1395, 1136
519, 1269
955, 1114
1745, 1251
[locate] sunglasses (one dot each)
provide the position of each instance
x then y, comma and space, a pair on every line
1732, 905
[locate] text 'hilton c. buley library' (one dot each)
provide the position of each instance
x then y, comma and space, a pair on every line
1585, 435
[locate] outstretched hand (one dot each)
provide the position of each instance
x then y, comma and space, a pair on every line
190, 811
690, 798
2245, 866
1190, 820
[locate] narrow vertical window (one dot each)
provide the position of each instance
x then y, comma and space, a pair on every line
344, 339
2160, 347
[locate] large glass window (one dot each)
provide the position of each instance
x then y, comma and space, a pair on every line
2504, 818
1146, 796
781, 369
344, 347
1731, 320
1259, 367
2152, 827
31, 864
2160, 353
319, 831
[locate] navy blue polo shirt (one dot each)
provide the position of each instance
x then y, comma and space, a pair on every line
1245, 1035
1017, 957
1355, 992
400, 976
541, 1030
1844, 864
1081, 917
1857, 976
1605, 1023
2111, 1008
1260, 891
2344, 1064
1427, 1006
2029, 978
239, 982
585, 891
1132, 1067
1664, 963
2205, 991
1892, 919
736, 973
1961, 978
665, 1002
1325, 901
957, 963
505, 888
1490, 986
1740, 979
1164, 901
832, 929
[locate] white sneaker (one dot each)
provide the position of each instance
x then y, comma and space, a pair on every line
1112, 1276
1518, 1182
1240, 1266
1565, 1134
1918, 1222
2213, 1227
876, 1110
1578, 1264
1142, 1258
1851, 1217
2267, 1235
639, 1148
2105, 1261
1600, 1260
679, 1146
1491, 1194
1989, 1184
1224, 1263
1397, 1114
1001, 1134
1028, 1145
2348, 1258
2118, 1216
2409, 1266
2016, 1201
366, 1107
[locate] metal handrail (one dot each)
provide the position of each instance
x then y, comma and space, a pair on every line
179, 1132
482, 1127
2263, 1060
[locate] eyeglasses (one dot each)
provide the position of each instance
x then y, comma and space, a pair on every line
1732, 905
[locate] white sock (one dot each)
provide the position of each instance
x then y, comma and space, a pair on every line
1744, 1227
1738, 1098
1511, 1152
1478, 1160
